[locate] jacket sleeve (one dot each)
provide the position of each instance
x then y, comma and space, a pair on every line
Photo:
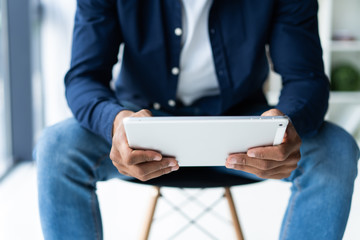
296, 53
95, 47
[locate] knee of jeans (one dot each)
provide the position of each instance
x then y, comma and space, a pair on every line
54, 147
344, 143
342, 148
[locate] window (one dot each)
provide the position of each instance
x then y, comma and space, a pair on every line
4, 103
55, 36
16, 101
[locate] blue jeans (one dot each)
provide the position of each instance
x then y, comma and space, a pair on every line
71, 160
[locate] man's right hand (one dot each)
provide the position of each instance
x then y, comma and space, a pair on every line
141, 164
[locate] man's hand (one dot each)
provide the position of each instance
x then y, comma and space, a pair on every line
274, 162
141, 164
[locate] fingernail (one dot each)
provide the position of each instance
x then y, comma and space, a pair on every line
251, 154
172, 164
230, 165
175, 168
232, 160
157, 158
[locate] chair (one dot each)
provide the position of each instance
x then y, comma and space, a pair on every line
195, 177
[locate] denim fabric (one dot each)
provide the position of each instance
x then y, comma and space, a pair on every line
71, 160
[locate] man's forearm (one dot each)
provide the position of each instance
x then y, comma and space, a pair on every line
96, 41
306, 103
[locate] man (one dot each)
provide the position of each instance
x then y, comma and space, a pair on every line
194, 58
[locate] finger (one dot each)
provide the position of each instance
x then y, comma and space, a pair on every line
143, 113
264, 173
280, 176
286, 173
273, 112
262, 164
140, 156
147, 168
277, 153
159, 173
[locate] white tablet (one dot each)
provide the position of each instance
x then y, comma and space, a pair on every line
203, 141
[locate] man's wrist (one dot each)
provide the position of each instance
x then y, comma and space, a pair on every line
118, 119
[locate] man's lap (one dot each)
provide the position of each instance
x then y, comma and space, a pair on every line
81, 148
91, 151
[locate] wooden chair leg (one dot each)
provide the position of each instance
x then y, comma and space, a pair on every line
150, 215
234, 215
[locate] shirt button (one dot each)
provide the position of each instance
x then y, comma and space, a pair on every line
156, 106
172, 103
212, 31
175, 71
178, 31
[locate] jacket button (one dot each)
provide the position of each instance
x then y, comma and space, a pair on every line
178, 31
156, 106
172, 103
175, 71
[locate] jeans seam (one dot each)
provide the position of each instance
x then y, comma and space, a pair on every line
291, 205
98, 163
93, 196
97, 231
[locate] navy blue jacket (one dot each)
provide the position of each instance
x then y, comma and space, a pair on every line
239, 30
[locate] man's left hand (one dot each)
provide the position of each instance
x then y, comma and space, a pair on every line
271, 162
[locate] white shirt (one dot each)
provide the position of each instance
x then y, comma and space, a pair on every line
197, 76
